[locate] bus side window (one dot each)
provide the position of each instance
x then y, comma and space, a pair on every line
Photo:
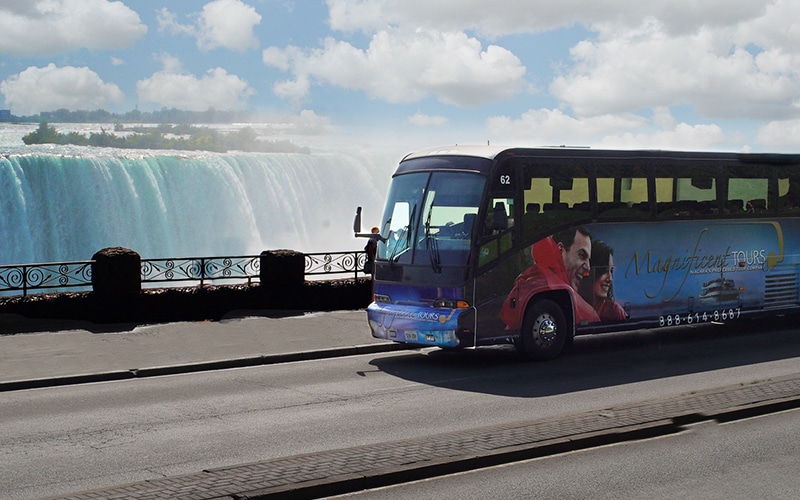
689, 191
788, 192
537, 195
500, 214
748, 190
622, 192
498, 229
553, 195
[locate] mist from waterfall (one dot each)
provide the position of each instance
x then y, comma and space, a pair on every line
62, 203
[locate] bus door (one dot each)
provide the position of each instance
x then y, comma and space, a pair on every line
498, 248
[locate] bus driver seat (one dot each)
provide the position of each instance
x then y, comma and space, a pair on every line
469, 221
499, 217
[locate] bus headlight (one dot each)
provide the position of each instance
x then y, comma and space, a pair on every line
451, 304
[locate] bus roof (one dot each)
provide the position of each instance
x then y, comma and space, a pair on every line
488, 152
492, 152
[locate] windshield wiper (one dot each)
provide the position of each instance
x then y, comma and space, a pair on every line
432, 244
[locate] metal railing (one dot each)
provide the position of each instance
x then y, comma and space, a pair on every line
52, 275
335, 263
78, 274
201, 269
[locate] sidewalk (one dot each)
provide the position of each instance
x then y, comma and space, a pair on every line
82, 353
61, 353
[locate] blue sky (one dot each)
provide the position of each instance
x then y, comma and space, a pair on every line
666, 74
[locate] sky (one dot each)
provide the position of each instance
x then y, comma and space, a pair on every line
410, 74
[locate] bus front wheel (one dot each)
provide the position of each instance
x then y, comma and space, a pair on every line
544, 331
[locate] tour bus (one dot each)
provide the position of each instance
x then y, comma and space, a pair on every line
480, 245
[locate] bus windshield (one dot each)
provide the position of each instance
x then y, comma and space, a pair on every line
430, 217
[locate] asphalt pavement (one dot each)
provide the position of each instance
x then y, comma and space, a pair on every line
36, 354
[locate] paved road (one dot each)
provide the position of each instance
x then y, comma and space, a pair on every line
83, 353
743, 459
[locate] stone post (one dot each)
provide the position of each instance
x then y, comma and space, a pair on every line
282, 276
116, 271
117, 283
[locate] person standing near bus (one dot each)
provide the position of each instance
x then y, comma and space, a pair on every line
372, 248
598, 289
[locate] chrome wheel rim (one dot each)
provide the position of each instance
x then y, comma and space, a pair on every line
544, 330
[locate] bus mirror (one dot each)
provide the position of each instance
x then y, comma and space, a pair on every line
357, 221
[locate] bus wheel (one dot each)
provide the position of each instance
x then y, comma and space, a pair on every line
544, 331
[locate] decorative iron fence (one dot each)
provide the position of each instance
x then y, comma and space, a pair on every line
335, 263
53, 275
66, 275
201, 269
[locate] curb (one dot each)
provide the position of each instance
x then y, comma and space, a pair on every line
351, 483
224, 364
347, 470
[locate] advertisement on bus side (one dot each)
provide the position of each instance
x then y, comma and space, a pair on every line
689, 271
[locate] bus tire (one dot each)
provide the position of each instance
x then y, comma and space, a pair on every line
544, 331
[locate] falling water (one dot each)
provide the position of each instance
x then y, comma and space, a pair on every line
63, 203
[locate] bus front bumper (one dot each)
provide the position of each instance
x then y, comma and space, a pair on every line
426, 326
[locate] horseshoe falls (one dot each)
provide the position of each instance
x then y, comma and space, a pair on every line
63, 203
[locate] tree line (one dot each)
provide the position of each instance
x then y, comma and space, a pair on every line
164, 115
180, 137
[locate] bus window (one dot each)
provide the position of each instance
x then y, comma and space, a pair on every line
553, 195
498, 234
748, 190
686, 191
500, 211
622, 192
399, 216
788, 191
447, 219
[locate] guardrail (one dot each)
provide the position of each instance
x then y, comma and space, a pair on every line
53, 275
201, 269
78, 274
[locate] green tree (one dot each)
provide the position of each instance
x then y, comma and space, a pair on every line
45, 134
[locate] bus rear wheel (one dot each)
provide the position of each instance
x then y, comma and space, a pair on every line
544, 331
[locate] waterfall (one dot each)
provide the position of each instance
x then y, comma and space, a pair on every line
62, 203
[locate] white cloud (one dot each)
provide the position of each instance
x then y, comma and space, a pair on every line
542, 127
354, 15
644, 67
170, 64
548, 127
723, 59
532, 16
229, 24
49, 27
780, 134
294, 90
222, 23
216, 89
423, 120
273, 56
168, 21
50, 88
683, 136
402, 67
307, 122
